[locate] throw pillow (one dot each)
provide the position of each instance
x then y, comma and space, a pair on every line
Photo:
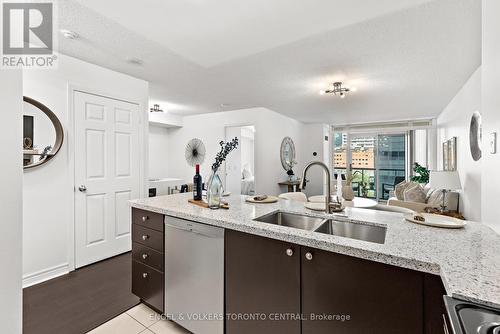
435, 200
427, 190
400, 189
414, 193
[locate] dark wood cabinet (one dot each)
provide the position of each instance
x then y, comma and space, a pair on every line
274, 287
147, 284
148, 219
262, 281
332, 293
148, 237
148, 258
359, 296
435, 316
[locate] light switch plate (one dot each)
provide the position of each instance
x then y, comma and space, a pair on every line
493, 143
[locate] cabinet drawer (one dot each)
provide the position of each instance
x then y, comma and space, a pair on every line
148, 219
146, 255
147, 284
148, 237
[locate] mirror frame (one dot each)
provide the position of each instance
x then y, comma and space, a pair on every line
287, 140
57, 126
475, 136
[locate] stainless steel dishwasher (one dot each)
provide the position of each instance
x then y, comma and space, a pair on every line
194, 275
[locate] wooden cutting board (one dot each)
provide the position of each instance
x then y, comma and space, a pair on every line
204, 204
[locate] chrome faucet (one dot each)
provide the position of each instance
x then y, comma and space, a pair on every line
328, 203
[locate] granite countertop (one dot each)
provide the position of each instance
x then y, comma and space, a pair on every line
468, 259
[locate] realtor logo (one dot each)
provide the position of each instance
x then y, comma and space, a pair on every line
27, 35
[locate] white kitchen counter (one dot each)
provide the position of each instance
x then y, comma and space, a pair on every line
468, 260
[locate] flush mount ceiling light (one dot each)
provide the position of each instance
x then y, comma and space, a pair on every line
156, 108
336, 89
69, 34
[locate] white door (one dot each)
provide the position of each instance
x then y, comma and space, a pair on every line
233, 162
107, 175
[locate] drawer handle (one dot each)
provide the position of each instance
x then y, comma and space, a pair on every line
145, 275
289, 252
145, 237
144, 218
309, 256
144, 256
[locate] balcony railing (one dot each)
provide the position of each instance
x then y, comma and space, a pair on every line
375, 183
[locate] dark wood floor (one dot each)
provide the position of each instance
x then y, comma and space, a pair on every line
80, 301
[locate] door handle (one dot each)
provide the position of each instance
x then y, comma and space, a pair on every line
82, 188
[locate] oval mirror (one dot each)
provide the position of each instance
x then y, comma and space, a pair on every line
42, 133
475, 136
287, 153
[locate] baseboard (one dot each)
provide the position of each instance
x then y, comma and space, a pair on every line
45, 275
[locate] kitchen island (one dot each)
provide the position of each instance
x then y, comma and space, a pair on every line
466, 260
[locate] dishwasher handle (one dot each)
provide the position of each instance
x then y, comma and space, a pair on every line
190, 228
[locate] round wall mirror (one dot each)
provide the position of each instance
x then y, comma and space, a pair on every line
42, 133
475, 136
287, 153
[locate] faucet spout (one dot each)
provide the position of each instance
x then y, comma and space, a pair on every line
303, 182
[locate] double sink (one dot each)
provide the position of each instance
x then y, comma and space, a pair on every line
330, 226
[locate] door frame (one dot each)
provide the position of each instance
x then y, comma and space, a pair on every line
70, 135
241, 125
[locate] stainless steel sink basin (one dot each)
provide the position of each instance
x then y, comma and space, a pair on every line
357, 231
292, 220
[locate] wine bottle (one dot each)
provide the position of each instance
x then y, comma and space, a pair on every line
197, 185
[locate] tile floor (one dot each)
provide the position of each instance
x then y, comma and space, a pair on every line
140, 319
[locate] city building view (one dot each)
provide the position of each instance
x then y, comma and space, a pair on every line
378, 162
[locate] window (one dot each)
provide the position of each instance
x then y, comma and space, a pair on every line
380, 159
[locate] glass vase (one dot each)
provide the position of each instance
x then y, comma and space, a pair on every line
214, 191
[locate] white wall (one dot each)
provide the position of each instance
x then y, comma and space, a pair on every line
48, 190
270, 129
454, 121
11, 201
313, 141
490, 111
158, 151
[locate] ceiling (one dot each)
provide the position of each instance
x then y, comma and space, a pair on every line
407, 59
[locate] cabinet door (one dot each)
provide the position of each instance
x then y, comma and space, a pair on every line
377, 298
435, 314
147, 284
262, 284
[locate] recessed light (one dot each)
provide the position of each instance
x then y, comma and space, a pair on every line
69, 34
135, 61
